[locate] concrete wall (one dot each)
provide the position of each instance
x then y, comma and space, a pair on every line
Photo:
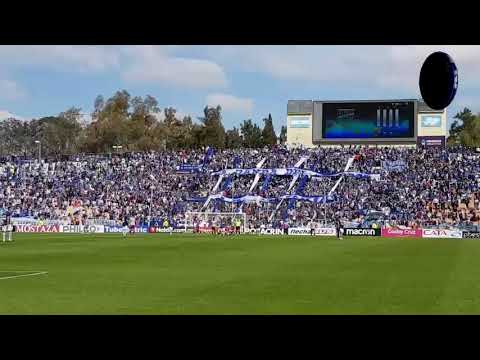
299, 130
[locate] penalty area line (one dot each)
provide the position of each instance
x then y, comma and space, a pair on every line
37, 273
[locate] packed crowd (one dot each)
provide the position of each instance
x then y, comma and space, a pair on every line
431, 187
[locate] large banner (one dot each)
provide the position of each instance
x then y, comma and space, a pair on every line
76, 229
442, 234
471, 235
361, 232
189, 169
404, 233
292, 171
394, 165
306, 231
259, 199
38, 228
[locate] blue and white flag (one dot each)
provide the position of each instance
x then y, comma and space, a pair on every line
266, 183
287, 172
260, 199
208, 155
302, 185
189, 169
394, 165
237, 162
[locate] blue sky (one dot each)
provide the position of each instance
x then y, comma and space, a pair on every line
247, 81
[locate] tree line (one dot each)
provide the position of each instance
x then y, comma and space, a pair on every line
465, 129
136, 124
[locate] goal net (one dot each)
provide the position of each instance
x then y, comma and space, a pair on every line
206, 222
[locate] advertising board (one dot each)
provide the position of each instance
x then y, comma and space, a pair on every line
403, 233
264, 231
153, 229
299, 122
361, 232
76, 229
471, 235
306, 231
119, 229
442, 234
431, 141
431, 120
368, 120
38, 228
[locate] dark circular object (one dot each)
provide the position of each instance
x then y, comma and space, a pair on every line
438, 80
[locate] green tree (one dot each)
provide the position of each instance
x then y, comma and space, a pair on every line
251, 133
170, 116
189, 129
110, 125
213, 132
142, 123
15, 137
468, 131
268, 133
283, 135
98, 106
233, 139
69, 130
454, 133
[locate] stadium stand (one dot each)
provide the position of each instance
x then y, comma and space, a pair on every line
417, 187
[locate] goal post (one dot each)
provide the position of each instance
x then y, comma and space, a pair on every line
205, 220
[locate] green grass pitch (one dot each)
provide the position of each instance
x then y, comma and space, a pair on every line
202, 274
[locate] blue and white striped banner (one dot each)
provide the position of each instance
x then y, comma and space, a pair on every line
259, 199
288, 172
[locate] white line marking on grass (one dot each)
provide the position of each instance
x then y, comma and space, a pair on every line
23, 275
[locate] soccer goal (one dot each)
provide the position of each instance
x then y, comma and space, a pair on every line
208, 222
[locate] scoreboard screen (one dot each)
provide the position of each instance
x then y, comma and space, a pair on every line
368, 120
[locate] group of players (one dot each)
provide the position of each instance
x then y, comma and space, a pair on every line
214, 228
219, 228
338, 228
7, 230
130, 224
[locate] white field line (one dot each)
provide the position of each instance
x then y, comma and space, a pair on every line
23, 275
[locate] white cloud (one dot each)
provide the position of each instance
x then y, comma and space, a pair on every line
85, 118
394, 69
179, 115
231, 103
343, 71
4, 114
408, 60
10, 90
303, 63
152, 64
155, 64
61, 57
